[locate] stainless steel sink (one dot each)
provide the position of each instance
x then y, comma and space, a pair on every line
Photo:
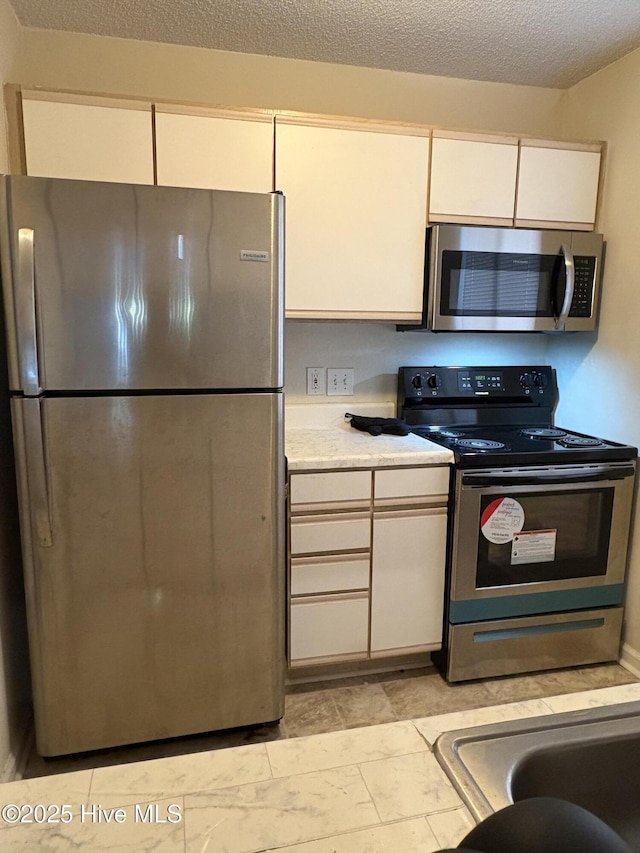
591, 758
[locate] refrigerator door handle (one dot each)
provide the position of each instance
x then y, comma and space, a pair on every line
26, 313
37, 472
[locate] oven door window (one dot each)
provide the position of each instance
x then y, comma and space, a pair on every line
500, 284
564, 535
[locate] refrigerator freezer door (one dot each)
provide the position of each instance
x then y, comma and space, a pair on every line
157, 607
143, 287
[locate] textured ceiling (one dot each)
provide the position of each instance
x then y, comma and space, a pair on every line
536, 42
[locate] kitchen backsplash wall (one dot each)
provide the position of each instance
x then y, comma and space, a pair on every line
375, 351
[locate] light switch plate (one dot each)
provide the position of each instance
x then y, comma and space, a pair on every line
340, 381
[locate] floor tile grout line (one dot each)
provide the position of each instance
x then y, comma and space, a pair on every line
371, 797
266, 749
88, 801
393, 822
429, 745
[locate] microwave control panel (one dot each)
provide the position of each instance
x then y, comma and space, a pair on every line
585, 271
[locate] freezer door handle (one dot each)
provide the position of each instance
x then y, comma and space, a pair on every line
37, 472
26, 313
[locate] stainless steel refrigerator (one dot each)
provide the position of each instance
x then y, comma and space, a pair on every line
144, 348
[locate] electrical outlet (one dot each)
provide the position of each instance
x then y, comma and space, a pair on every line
315, 380
340, 381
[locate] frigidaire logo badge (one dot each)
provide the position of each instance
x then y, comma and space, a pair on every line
251, 255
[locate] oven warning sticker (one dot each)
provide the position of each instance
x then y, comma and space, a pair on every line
501, 520
533, 546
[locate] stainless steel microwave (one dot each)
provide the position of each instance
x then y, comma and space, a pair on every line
486, 279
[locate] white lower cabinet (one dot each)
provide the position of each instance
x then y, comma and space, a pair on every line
407, 591
366, 564
326, 626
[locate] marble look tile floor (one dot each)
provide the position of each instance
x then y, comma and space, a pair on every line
367, 789
364, 700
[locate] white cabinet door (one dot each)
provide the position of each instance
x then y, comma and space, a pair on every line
473, 179
214, 152
88, 141
407, 595
356, 215
557, 186
329, 625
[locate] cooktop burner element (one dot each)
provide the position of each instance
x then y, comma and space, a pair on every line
496, 416
580, 441
479, 444
544, 432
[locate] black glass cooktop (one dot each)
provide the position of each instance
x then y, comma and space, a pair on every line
522, 444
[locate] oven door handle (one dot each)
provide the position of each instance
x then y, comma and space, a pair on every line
526, 478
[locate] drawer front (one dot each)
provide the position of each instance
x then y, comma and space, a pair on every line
327, 533
507, 646
329, 574
330, 487
324, 627
411, 482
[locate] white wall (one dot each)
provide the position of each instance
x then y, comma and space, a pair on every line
607, 106
14, 668
127, 67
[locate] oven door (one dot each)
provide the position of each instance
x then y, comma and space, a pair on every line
539, 539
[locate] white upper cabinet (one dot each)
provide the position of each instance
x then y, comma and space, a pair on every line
96, 141
558, 185
222, 151
473, 178
356, 214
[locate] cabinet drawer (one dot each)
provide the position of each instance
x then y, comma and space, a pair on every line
330, 487
333, 625
411, 482
329, 574
326, 533
507, 646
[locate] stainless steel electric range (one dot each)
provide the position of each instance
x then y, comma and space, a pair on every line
538, 525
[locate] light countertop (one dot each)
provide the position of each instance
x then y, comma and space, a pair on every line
341, 446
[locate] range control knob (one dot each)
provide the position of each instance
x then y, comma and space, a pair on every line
540, 380
433, 381
526, 380
417, 382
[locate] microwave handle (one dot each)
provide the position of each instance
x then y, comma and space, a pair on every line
570, 267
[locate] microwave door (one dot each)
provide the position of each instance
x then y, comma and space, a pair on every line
507, 289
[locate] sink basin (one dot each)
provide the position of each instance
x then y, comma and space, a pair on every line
591, 758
